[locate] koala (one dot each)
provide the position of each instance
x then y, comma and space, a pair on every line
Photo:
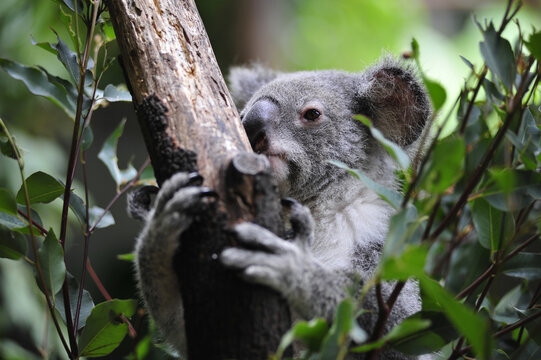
299, 121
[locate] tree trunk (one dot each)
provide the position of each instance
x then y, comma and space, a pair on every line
189, 123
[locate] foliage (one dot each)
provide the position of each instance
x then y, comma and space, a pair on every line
467, 218
82, 328
467, 221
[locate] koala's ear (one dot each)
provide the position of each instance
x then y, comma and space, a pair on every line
395, 100
245, 81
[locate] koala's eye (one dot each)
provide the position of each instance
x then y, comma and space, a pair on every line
311, 114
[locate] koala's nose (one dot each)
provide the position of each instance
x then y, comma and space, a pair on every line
256, 121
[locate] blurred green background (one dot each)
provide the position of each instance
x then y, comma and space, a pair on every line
284, 34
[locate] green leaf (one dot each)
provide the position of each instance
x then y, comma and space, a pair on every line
95, 213
513, 189
104, 329
498, 56
7, 150
13, 245
528, 140
494, 228
406, 328
467, 62
42, 188
310, 333
73, 5
409, 263
86, 302
468, 323
534, 45
47, 46
336, 339
115, 94
524, 265
68, 58
393, 149
393, 197
506, 310
468, 262
40, 82
404, 228
87, 138
51, 258
11, 221
446, 165
7, 202
436, 92
126, 257
77, 205
429, 339
415, 49
108, 156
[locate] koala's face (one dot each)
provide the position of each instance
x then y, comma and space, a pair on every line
301, 120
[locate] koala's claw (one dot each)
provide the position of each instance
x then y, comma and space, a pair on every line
195, 179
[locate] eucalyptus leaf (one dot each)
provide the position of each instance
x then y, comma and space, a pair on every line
104, 329
392, 148
506, 309
512, 189
7, 150
77, 205
87, 138
428, 339
404, 329
42, 188
68, 58
86, 302
51, 259
11, 221
393, 197
494, 227
8, 204
108, 156
337, 337
524, 265
470, 324
115, 94
404, 229
446, 165
40, 82
498, 56
534, 45
13, 245
95, 213
409, 263
436, 92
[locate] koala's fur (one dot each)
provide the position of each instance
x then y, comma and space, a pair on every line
340, 226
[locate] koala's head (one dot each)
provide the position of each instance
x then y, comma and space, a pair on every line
300, 120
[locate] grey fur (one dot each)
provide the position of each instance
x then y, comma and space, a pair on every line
340, 226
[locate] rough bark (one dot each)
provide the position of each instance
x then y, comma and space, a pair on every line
189, 122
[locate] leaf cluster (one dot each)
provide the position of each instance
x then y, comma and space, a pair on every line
467, 221
82, 328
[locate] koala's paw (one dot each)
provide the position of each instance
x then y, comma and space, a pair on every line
278, 263
179, 199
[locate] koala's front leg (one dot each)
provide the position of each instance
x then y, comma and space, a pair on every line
289, 266
179, 199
